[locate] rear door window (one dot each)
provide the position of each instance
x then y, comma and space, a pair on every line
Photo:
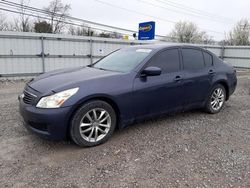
192, 59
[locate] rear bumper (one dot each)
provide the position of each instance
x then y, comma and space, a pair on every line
47, 123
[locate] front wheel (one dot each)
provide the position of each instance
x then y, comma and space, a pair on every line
216, 99
93, 123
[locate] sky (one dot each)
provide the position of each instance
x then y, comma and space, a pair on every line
216, 17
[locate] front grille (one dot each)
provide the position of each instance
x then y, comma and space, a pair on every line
28, 97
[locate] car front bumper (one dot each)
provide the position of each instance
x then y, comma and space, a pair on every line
47, 123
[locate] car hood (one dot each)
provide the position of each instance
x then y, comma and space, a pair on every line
58, 80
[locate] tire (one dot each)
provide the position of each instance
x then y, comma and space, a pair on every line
216, 99
89, 126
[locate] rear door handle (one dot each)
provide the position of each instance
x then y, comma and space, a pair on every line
211, 72
177, 78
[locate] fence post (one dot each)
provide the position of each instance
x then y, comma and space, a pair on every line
222, 52
91, 51
42, 53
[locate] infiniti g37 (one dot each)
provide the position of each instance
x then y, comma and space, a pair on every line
130, 84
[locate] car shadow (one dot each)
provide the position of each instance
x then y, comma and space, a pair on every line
120, 134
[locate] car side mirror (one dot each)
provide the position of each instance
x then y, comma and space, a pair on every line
151, 71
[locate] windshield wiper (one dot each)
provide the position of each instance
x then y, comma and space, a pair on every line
98, 68
91, 66
103, 69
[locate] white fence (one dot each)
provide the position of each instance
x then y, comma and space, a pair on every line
33, 53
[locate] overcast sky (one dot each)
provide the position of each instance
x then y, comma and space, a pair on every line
225, 13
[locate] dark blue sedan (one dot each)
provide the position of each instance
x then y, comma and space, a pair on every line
131, 84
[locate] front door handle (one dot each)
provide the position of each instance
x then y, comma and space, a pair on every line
177, 78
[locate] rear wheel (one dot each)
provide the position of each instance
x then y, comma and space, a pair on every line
93, 123
216, 99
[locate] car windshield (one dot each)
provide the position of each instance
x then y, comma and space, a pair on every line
123, 60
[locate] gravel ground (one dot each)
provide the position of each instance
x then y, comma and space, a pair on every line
191, 149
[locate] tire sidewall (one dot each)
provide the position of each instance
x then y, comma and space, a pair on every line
77, 117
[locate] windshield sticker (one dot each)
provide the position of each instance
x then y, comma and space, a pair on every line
144, 50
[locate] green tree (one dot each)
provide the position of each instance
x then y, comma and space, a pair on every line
42, 27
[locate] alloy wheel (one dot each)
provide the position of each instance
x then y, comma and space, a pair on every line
95, 125
217, 99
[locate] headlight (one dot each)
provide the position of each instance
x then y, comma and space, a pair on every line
56, 100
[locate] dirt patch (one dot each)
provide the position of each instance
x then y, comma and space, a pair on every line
191, 149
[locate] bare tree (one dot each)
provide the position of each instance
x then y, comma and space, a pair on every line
116, 35
22, 23
3, 23
188, 32
112, 34
81, 31
207, 39
240, 35
57, 12
105, 35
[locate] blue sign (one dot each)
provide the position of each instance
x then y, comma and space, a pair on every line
146, 31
